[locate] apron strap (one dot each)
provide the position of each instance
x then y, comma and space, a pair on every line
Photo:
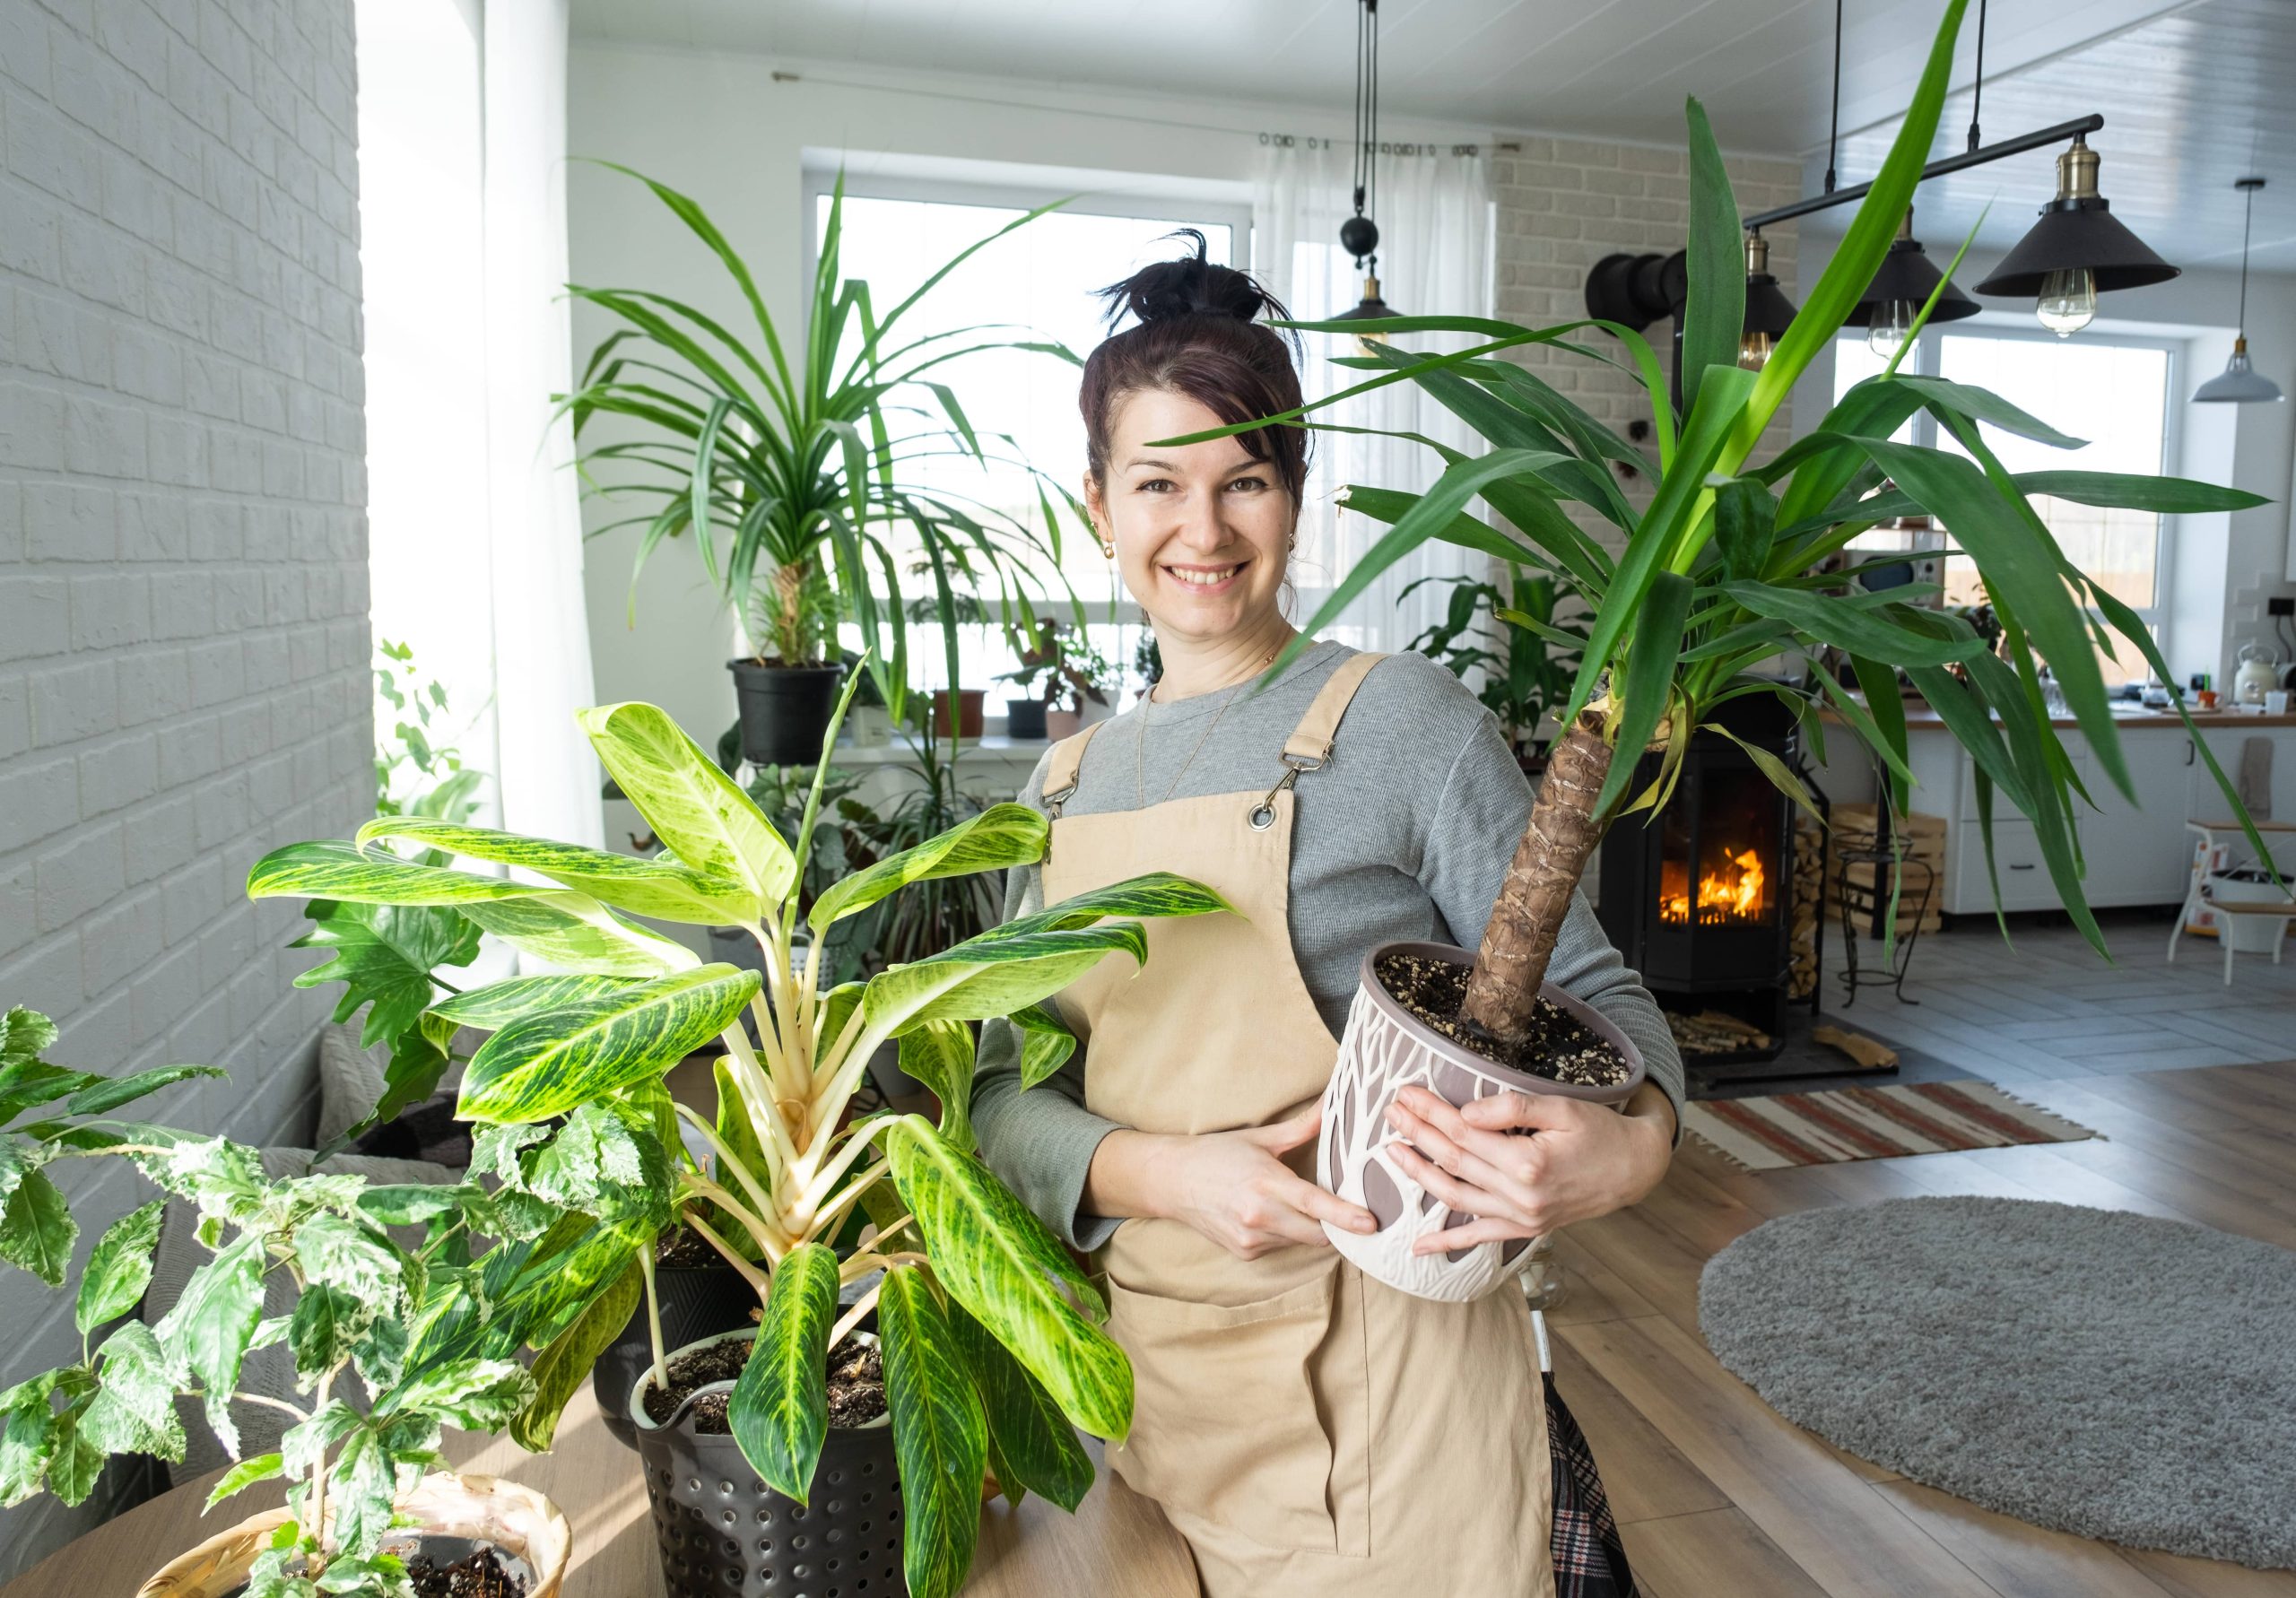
1311, 740
1060, 773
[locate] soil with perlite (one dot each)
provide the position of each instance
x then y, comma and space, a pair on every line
478, 1575
856, 1384
1559, 1046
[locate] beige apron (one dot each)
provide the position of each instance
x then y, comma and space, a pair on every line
1307, 1429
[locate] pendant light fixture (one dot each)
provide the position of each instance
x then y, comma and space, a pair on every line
2077, 250
1901, 286
1768, 313
2239, 383
1359, 235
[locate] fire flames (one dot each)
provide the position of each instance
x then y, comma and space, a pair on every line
1730, 891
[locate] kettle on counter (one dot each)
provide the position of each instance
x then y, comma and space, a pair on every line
2258, 675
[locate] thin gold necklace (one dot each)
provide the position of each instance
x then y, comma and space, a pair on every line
1140, 758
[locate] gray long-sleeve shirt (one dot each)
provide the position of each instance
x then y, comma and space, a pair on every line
1406, 833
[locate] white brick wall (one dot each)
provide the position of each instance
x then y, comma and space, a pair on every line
183, 583
1564, 205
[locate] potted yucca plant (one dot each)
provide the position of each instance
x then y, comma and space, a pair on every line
1719, 574
987, 1345
792, 466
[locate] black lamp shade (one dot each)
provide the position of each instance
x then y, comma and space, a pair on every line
1768, 310
1371, 309
2072, 234
1907, 273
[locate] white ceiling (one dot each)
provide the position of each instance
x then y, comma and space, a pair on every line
2194, 91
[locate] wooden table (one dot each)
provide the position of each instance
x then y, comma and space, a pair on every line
1116, 1542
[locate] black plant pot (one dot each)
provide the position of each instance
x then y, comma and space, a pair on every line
722, 1531
785, 710
1024, 719
698, 1302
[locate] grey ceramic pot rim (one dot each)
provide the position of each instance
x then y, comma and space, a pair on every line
1466, 1059
644, 1422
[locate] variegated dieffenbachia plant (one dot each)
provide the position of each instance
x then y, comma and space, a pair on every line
991, 1336
428, 1330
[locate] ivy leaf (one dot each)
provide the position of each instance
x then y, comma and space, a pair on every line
119, 1268
133, 1411
36, 1230
383, 955
207, 1332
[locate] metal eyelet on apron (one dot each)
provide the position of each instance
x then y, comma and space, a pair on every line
1262, 816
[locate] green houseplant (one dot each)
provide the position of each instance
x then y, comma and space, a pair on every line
792, 465
1525, 676
361, 1456
990, 1335
1715, 576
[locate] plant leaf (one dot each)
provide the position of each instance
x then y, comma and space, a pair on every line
207, 1332
500, 1004
941, 1055
384, 954
1002, 835
1715, 315
119, 1268
1650, 658
940, 1436
565, 1363
102, 1096
544, 1065
780, 1408
243, 1475
664, 890
998, 1261
36, 1230
1031, 1443
697, 810
572, 930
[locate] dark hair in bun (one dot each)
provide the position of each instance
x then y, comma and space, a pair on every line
1196, 334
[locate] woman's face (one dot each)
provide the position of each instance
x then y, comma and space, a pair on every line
1201, 531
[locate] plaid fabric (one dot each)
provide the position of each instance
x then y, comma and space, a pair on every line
1589, 1560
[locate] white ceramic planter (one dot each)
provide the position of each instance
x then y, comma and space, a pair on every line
1383, 1051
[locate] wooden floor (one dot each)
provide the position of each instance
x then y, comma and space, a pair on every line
1718, 1497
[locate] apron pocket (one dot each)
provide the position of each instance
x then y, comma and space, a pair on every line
1225, 1424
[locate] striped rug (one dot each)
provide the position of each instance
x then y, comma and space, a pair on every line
1819, 1128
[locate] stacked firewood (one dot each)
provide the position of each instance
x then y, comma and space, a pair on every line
1809, 889
1919, 838
1713, 1032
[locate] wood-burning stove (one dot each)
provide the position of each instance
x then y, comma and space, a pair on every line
1699, 898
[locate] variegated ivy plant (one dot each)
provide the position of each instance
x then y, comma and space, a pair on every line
991, 1336
428, 1332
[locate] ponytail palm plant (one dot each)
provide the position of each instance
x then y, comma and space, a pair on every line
991, 1334
1721, 572
793, 465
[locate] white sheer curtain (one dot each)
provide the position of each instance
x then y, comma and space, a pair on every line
1434, 215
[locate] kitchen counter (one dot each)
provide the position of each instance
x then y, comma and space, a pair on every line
1920, 715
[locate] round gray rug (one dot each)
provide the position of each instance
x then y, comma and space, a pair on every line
2111, 1374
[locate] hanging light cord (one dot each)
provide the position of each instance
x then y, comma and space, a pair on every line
1367, 105
2245, 221
1976, 95
1833, 133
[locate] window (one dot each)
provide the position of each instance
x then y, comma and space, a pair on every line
2111, 391
1040, 280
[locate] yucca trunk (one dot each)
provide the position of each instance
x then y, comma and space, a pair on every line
1518, 941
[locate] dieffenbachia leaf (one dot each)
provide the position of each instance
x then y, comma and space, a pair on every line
384, 954
998, 1261
207, 1332
1029, 958
500, 1004
1002, 835
780, 1408
701, 814
1045, 1042
564, 928
547, 1065
564, 1364
941, 1055
660, 887
341, 871
119, 1268
1031, 1443
940, 1435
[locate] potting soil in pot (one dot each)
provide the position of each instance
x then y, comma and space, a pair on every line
1559, 1046
857, 1386
683, 1250
441, 1567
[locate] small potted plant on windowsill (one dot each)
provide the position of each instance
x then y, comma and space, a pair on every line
1089, 682
368, 1499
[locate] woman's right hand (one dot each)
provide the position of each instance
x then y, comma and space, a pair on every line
1231, 1186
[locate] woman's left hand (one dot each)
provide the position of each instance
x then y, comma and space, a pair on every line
1524, 1164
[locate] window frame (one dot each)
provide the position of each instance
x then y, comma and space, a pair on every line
1928, 359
